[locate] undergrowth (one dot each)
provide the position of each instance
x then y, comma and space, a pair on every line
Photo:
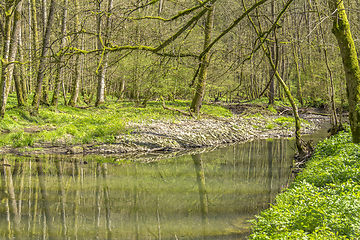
68, 125
324, 200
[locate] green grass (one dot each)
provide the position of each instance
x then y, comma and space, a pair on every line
324, 200
68, 125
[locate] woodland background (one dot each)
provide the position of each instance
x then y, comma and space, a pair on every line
109, 45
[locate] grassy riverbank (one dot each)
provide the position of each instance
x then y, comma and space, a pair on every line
85, 125
124, 127
324, 200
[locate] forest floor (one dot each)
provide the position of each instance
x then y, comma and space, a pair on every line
109, 131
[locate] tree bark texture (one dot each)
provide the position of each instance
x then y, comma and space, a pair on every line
78, 65
100, 96
46, 41
59, 75
200, 86
341, 30
10, 44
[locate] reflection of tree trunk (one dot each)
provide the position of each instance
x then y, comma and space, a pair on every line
107, 202
45, 200
270, 169
136, 209
61, 192
3, 195
249, 163
98, 198
158, 219
29, 201
21, 194
14, 217
35, 188
200, 176
76, 198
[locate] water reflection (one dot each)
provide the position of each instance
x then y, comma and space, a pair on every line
203, 196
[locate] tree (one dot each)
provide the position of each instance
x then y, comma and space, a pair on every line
11, 36
103, 62
78, 66
42, 66
59, 73
205, 61
342, 32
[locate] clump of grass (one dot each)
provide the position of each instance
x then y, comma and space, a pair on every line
269, 126
323, 202
256, 115
288, 121
272, 109
21, 139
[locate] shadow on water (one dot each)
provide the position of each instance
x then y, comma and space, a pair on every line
204, 196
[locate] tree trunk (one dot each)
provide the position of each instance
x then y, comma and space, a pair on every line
10, 44
100, 96
299, 144
46, 41
341, 30
35, 39
46, 80
298, 74
59, 75
78, 63
18, 87
200, 87
273, 50
22, 70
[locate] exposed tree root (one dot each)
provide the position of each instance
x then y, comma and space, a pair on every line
301, 159
189, 113
335, 130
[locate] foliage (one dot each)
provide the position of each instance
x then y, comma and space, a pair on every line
323, 202
71, 125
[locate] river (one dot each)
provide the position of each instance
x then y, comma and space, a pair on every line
211, 195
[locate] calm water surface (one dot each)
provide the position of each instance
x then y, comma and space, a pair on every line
203, 196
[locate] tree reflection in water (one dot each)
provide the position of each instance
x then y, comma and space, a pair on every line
59, 197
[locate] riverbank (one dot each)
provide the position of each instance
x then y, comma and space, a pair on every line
324, 200
122, 129
173, 136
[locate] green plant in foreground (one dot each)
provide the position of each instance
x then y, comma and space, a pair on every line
324, 200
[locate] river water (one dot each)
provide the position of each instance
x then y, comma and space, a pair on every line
203, 196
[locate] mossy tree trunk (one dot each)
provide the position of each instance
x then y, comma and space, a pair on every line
11, 35
42, 64
200, 86
34, 40
100, 96
78, 65
298, 74
271, 72
22, 71
342, 32
46, 79
299, 145
59, 74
